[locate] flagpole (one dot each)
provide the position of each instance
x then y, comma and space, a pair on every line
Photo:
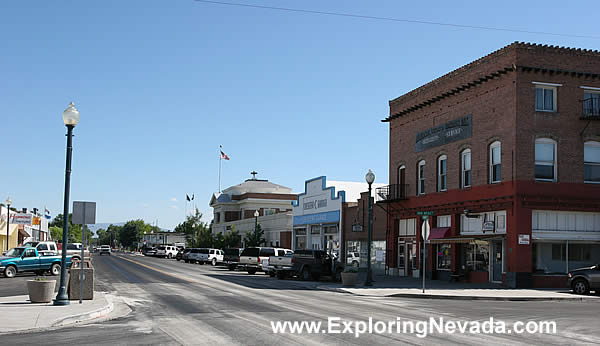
220, 149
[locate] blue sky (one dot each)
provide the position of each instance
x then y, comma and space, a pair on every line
161, 84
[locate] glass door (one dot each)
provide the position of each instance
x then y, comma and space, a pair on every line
401, 259
497, 261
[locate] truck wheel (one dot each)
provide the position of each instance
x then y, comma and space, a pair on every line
55, 269
580, 286
251, 271
10, 271
281, 275
214, 262
355, 264
169, 256
231, 267
272, 274
305, 276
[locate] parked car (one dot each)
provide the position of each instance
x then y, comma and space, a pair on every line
181, 253
251, 259
43, 247
353, 259
167, 251
149, 251
231, 257
28, 259
195, 255
283, 260
584, 280
186, 255
312, 264
212, 256
104, 249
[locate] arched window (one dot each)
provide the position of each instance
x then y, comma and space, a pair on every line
495, 162
545, 159
591, 162
441, 173
465, 168
421, 178
401, 189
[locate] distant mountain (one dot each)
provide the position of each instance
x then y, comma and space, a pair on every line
94, 228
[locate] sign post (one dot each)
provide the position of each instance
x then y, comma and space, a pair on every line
84, 213
425, 234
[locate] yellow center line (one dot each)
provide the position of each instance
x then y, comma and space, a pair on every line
160, 270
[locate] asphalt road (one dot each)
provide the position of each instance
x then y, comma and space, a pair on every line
178, 303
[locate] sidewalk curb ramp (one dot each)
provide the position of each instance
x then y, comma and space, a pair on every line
87, 316
455, 297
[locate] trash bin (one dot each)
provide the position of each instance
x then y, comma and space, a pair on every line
88, 281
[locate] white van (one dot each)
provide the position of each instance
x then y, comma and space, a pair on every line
167, 251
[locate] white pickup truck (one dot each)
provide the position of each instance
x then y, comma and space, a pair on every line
253, 259
50, 248
212, 256
279, 262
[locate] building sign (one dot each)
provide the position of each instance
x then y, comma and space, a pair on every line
326, 217
322, 203
21, 219
449, 132
379, 255
357, 228
36, 221
488, 226
523, 239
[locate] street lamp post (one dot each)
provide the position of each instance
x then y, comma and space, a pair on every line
8, 202
370, 178
70, 118
256, 214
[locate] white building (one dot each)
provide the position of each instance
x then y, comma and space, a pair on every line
234, 208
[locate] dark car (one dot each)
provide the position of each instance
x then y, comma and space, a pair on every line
584, 280
231, 257
180, 254
312, 264
149, 251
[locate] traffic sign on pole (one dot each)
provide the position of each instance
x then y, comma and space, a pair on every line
426, 212
425, 230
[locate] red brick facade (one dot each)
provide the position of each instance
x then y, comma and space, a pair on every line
498, 92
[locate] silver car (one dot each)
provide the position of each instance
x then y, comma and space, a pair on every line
584, 280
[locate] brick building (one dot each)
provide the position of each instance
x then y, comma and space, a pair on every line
506, 152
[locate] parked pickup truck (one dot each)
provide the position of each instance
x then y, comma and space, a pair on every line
283, 261
312, 264
27, 259
254, 259
212, 256
50, 248
231, 257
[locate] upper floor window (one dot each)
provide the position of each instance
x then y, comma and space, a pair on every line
495, 162
441, 179
591, 162
545, 96
465, 168
421, 178
545, 159
591, 101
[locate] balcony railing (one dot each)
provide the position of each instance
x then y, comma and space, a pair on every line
393, 192
591, 108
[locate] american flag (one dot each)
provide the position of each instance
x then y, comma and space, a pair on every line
224, 156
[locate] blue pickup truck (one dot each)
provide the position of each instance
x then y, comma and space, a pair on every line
27, 259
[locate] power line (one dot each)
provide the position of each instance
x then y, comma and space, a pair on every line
390, 19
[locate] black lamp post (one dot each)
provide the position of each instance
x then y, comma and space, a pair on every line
8, 202
370, 178
70, 118
256, 214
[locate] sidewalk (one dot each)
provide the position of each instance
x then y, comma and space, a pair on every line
19, 315
389, 286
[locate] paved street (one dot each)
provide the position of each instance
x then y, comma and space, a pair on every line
178, 303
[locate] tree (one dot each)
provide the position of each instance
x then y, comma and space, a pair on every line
114, 232
192, 227
56, 233
232, 239
133, 232
255, 238
205, 238
74, 232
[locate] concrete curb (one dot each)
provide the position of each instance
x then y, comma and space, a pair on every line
454, 297
87, 316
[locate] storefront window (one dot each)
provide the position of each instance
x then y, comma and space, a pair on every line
475, 257
443, 257
300, 234
378, 256
560, 258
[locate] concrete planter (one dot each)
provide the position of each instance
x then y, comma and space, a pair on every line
41, 291
349, 279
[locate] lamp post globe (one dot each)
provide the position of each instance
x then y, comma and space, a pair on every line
8, 203
71, 115
370, 178
70, 118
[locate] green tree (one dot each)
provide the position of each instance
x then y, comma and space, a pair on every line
219, 241
114, 232
74, 233
56, 233
255, 238
232, 239
133, 232
205, 237
192, 227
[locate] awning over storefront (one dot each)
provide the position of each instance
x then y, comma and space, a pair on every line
438, 233
472, 239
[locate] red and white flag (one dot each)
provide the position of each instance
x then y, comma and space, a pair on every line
224, 156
